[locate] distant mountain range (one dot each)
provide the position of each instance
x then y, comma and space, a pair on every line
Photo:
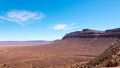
26, 42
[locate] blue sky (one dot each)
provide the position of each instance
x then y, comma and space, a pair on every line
52, 19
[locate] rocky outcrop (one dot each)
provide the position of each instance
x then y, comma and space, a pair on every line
109, 58
88, 33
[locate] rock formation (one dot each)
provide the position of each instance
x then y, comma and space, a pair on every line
88, 33
109, 58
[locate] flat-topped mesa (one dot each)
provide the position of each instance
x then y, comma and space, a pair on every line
85, 33
89, 33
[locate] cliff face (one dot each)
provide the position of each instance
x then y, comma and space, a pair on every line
88, 33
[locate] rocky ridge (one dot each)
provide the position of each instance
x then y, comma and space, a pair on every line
88, 33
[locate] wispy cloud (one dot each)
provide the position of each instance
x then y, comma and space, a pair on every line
64, 26
22, 16
60, 27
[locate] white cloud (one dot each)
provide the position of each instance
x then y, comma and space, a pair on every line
22, 16
64, 26
60, 27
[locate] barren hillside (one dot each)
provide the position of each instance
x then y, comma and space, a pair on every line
109, 58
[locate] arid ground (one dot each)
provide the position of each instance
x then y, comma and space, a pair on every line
60, 54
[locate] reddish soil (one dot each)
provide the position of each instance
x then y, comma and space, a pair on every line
60, 54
